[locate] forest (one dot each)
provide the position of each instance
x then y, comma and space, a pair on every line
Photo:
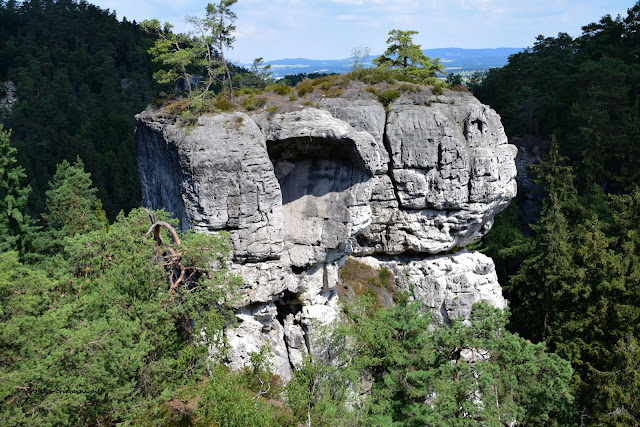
97, 328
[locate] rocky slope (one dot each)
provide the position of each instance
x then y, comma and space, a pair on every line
407, 188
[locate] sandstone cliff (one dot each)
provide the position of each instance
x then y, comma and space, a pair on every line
406, 188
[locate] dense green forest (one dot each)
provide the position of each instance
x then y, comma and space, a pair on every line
81, 76
573, 279
95, 332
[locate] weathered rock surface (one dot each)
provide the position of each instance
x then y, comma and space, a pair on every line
216, 177
447, 284
302, 190
7, 96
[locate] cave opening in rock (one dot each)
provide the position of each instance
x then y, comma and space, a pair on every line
286, 305
320, 186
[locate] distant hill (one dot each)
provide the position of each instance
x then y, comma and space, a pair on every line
457, 60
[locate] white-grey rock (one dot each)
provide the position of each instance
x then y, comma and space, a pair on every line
302, 190
216, 176
447, 284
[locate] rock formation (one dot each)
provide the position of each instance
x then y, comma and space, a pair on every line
7, 97
406, 187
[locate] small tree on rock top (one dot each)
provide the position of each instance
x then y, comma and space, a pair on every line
407, 57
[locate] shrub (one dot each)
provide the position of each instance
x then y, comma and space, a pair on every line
254, 102
279, 88
304, 87
459, 88
272, 109
246, 91
177, 107
405, 87
223, 103
334, 92
437, 89
387, 97
358, 279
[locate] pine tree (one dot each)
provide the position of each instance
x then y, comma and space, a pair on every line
71, 201
15, 224
407, 58
548, 272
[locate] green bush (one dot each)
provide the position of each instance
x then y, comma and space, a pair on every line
223, 103
387, 97
304, 87
279, 88
254, 102
437, 89
405, 87
225, 401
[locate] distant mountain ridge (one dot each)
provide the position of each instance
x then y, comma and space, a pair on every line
455, 59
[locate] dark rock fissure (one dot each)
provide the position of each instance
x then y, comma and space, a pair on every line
317, 148
478, 124
286, 305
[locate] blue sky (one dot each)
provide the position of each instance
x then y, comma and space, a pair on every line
329, 29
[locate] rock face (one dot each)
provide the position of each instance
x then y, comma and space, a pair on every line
300, 191
7, 96
530, 151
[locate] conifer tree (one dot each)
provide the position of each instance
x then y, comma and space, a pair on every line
548, 270
407, 58
15, 224
71, 201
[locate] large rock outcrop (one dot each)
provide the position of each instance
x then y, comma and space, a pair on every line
407, 188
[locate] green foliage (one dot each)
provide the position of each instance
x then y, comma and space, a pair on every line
177, 52
15, 224
81, 76
279, 88
453, 79
293, 79
254, 102
437, 89
93, 336
71, 201
304, 87
182, 53
223, 103
575, 284
388, 96
374, 76
224, 401
457, 375
318, 393
407, 58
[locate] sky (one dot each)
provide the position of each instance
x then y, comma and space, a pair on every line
330, 29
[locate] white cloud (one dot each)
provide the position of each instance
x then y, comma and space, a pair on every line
330, 28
